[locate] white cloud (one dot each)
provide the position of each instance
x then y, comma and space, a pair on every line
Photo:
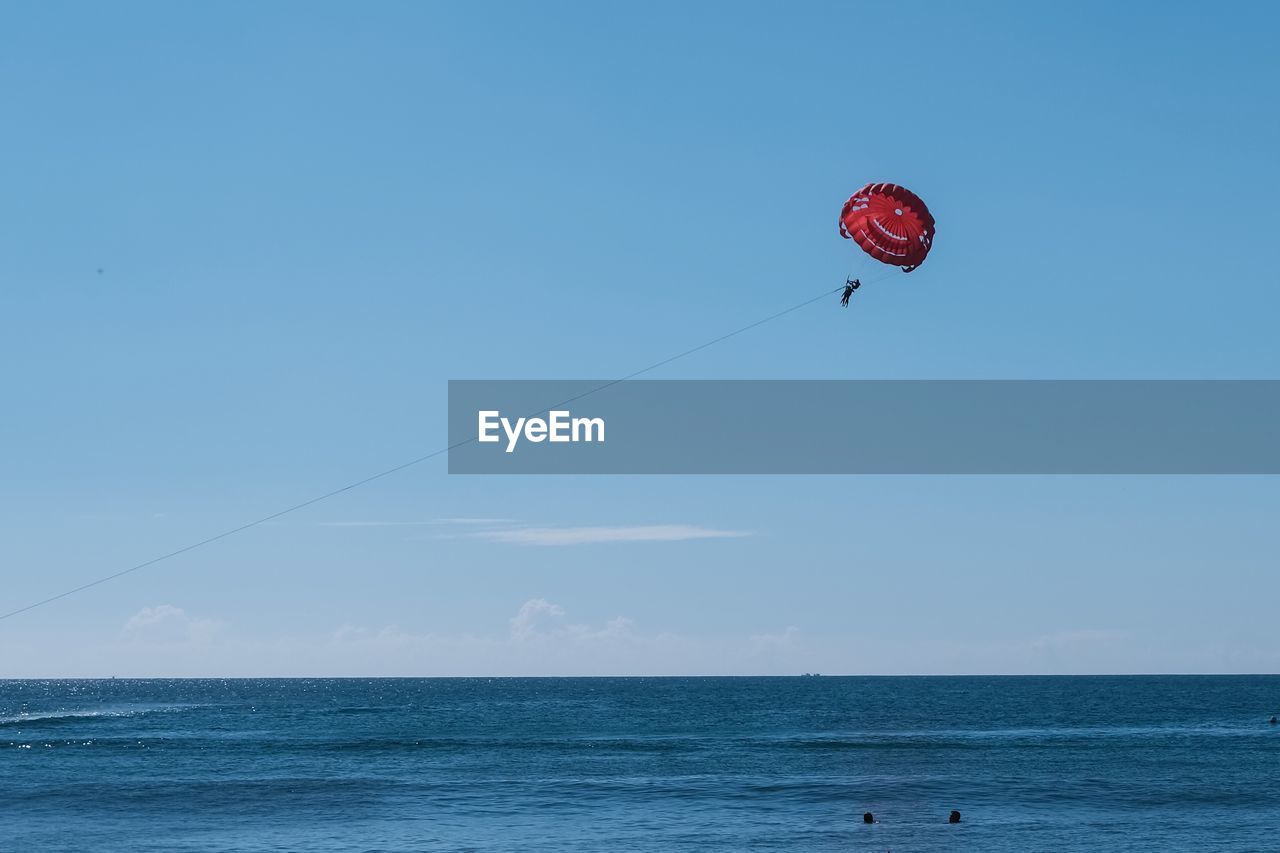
165, 623
1087, 649
149, 616
476, 520
595, 535
431, 522
781, 640
537, 638
356, 634
1084, 638
539, 619
525, 623
539, 641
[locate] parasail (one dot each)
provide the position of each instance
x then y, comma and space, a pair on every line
890, 223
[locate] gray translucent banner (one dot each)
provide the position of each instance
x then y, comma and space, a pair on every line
865, 427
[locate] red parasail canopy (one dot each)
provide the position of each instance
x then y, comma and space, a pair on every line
890, 223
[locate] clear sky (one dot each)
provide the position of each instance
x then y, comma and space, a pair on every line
308, 217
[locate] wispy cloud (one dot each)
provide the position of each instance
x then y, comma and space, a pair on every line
594, 535
431, 522
781, 640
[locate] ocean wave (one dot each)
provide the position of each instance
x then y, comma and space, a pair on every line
75, 715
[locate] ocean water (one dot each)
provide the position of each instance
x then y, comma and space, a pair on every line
642, 764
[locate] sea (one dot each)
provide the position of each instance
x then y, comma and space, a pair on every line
1120, 763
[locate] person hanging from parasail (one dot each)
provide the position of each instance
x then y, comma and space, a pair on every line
891, 224
850, 285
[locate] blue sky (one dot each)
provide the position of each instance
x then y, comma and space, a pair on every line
309, 217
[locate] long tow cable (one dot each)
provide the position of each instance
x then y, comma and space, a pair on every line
402, 466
